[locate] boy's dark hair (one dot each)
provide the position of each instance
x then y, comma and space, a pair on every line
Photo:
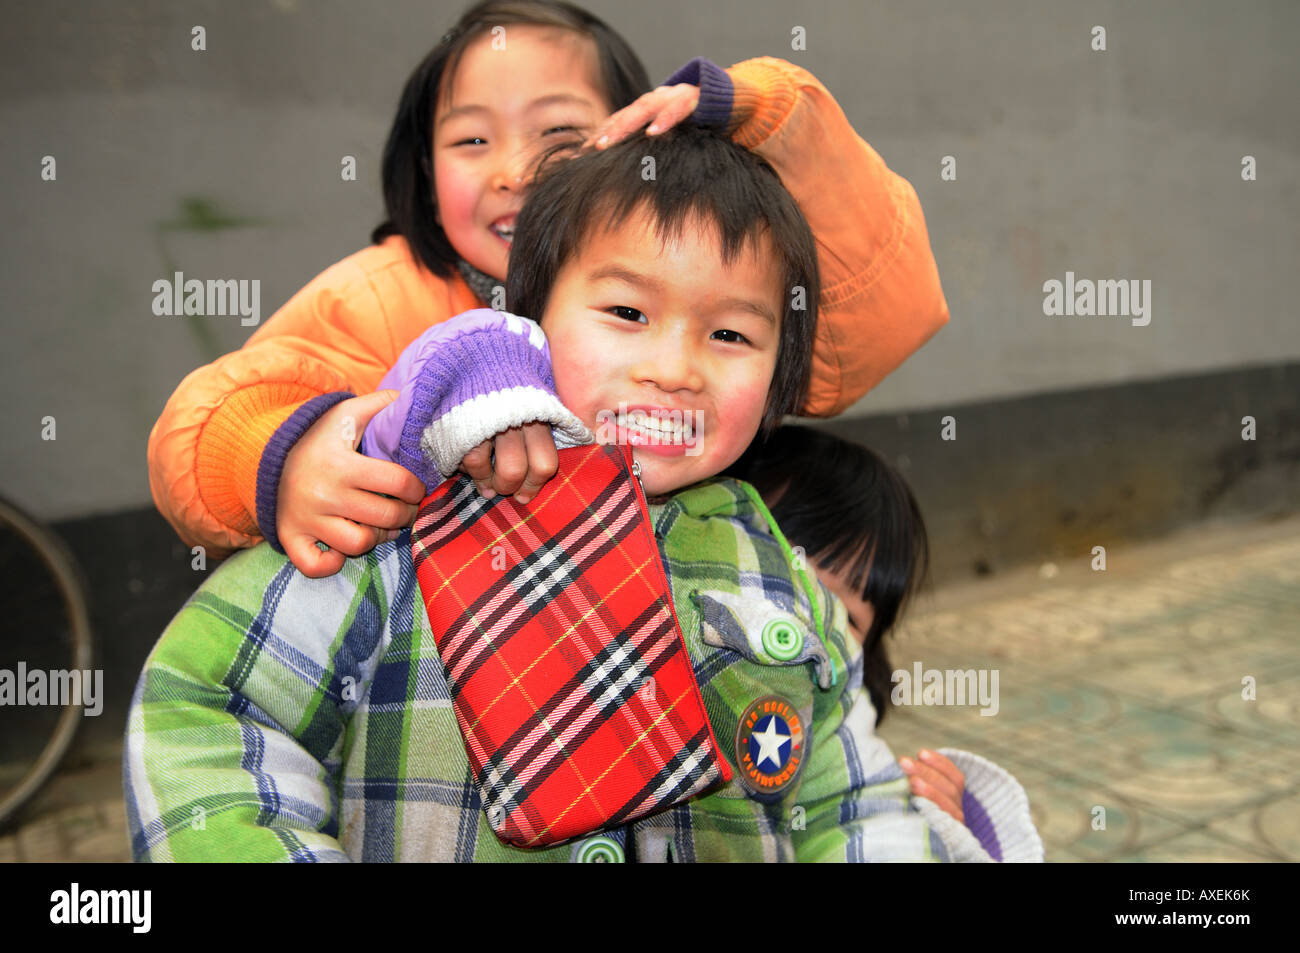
832, 496
408, 162
698, 174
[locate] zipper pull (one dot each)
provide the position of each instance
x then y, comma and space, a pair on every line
642, 500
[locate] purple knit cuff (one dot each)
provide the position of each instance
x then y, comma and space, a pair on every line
467, 367
979, 824
277, 449
716, 91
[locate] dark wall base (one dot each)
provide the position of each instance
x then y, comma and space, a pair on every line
1051, 476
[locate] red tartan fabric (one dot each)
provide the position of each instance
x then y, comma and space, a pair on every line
574, 692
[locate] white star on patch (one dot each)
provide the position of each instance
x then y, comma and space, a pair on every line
769, 743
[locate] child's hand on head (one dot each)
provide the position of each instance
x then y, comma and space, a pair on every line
331, 493
519, 461
663, 108
935, 777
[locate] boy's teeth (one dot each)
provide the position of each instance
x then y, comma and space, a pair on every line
639, 420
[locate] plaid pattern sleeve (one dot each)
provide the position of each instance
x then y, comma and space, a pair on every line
237, 723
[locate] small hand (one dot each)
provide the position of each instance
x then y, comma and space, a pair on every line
938, 779
331, 493
663, 108
525, 458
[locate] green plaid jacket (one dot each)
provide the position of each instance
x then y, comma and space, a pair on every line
282, 718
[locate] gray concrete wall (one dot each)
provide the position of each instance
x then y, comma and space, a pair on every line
225, 163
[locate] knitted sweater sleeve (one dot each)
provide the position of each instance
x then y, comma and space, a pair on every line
996, 810
462, 382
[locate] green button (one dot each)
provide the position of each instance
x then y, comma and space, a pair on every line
782, 640
600, 850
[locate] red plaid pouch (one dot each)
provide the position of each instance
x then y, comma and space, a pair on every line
568, 673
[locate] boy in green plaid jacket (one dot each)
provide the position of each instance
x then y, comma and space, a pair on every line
287, 718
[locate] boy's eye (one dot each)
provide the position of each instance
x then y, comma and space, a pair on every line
472, 141
632, 314
737, 337
555, 129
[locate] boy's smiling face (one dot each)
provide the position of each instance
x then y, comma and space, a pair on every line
670, 330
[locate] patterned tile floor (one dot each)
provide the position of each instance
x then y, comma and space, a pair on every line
1129, 690
1119, 690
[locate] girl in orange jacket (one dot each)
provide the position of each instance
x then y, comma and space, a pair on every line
260, 443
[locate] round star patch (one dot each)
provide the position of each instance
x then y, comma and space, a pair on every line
770, 747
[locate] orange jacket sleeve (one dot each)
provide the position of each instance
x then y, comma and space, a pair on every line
881, 298
342, 332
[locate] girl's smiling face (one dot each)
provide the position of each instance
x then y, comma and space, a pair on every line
668, 330
513, 95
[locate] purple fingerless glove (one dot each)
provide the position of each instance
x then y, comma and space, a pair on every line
462, 382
